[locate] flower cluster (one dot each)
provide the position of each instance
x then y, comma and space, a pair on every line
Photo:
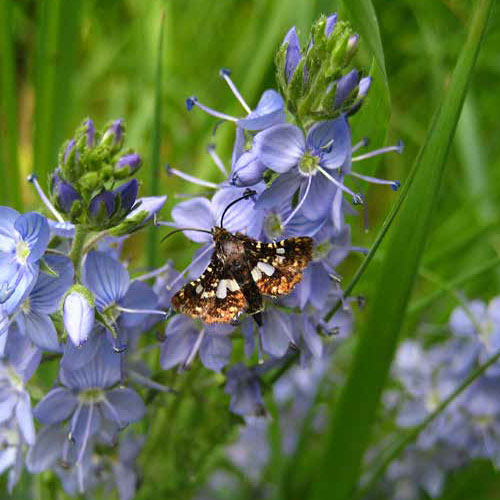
66, 294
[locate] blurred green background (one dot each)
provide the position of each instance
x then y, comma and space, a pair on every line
61, 61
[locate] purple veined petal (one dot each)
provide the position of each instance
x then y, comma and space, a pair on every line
128, 194
322, 285
41, 331
311, 337
24, 417
215, 351
150, 204
319, 200
56, 406
239, 145
138, 296
78, 317
293, 54
248, 332
84, 424
21, 353
333, 139
10, 276
48, 290
195, 213
24, 283
276, 333
240, 217
76, 357
345, 85
280, 147
105, 198
102, 371
8, 217
130, 447
7, 458
269, 112
283, 188
248, 170
47, 448
304, 288
106, 277
126, 481
331, 21
8, 404
176, 349
61, 229
34, 230
127, 404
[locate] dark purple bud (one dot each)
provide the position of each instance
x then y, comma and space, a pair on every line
132, 162
64, 192
293, 54
114, 133
345, 86
105, 198
127, 193
90, 133
69, 148
330, 24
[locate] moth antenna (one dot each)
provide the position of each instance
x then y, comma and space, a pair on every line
184, 229
247, 194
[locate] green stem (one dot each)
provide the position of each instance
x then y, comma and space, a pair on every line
95, 239
413, 434
77, 248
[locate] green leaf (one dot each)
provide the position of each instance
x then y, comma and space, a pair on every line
156, 142
10, 189
353, 418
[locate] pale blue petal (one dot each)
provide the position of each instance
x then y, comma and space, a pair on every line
332, 139
75, 357
318, 202
61, 229
56, 406
195, 213
127, 403
280, 147
276, 333
48, 290
311, 338
248, 170
34, 230
22, 354
106, 277
47, 449
8, 217
269, 112
215, 351
41, 331
282, 189
139, 296
78, 317
150, 204
25, 418
25, 282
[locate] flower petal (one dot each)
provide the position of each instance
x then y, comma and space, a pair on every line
56, 406
47, 449
61, 229
345, 85
127, 403
24, 283
8, 217
78, 317
333, 139
319, 200
269, 112
22, 354
106, 277
282, 189
40, 330
34, 230
248, 170
75, 357
215, 351
311, 337
194, 213
276, 333
139, 296
280, 147
48, 290
150, 204
24, 417
293, 54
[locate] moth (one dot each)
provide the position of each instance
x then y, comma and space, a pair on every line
240, 272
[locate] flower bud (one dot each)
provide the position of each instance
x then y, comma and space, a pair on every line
128, 164
90, 133
128, 194
293, 55
102, 204
78, 314
63, 193
114, 134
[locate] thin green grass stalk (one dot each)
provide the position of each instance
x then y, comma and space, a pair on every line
156, 143
421, 304
11, 187
355, 413
400, 446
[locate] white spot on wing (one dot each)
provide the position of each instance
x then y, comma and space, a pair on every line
266, 268
256, 274
199, 289
221, 290
280, 251
232, 285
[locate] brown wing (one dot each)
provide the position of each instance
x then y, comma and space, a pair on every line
277, 267
198, 298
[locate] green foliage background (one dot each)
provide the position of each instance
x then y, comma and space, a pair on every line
61, 61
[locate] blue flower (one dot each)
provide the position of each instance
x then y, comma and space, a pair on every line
184, 339
78, 316
33, 316
243, 385
88, 398
304, 163
23, 240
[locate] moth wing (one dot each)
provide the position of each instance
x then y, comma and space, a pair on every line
277, 267
209, 299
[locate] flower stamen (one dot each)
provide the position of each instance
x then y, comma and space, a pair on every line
224, 72
194, 180
32, 178
193, 101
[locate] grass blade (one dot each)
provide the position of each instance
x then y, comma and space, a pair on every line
355, 414
156, 143
11, 188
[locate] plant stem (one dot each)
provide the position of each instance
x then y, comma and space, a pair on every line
405, 441
77, 248
92, 241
